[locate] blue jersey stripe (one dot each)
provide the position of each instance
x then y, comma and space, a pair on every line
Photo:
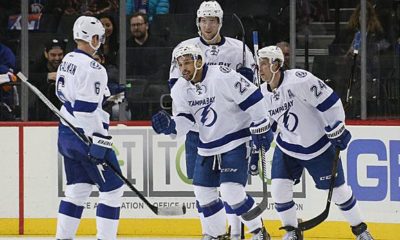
69, 108
328, 103
251, 100
304, 150
226, 139
171, 82
188, 116
83, 106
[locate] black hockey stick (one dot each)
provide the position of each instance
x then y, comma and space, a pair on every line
303, 226
243, 39
320, 218
167, 211
260, 208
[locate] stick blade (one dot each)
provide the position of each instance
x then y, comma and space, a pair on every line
171, 211
303, 226
255, 212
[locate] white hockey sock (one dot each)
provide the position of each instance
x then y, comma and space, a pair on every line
69, 216
107, 219
351, 211
235, 223
66, 226
216, 224
288, 217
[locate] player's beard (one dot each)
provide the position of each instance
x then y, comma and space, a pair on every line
187, 75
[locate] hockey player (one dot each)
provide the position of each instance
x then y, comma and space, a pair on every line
310, 118
224, 105
82, 85
219, 50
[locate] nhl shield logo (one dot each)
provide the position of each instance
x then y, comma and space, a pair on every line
301, 74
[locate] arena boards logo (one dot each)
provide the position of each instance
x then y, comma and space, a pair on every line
156, 166
373, 169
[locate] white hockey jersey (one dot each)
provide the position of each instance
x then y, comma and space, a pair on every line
223, 105
301, 106
81, 85
229, 53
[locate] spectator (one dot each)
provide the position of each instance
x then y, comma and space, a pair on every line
140, 35
89, 7
343, 43
285, 47
149, 7
8, 94
43, 76
110, 46
97, 7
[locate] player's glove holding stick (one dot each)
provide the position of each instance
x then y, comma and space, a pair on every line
338, 135
100, 146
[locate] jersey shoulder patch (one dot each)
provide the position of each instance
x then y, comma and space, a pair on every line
300, 74
225, 69
95, 65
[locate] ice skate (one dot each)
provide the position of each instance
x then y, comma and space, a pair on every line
261, 234
292, 233
361, 232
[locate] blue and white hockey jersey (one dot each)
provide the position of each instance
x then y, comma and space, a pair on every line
81, 85
301, 106
229, 53
223, 105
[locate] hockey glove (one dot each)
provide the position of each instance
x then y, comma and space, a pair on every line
338, 135
261, 135
247, 73
99, 148
253, 165
163, 123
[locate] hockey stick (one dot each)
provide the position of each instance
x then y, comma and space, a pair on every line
260, 208
243, 39
303, 226
166, 211
320, 218
255, 46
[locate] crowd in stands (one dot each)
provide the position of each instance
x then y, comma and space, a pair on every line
154, 27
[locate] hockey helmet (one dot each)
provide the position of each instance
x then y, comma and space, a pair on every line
273, 53
189, 49
86, 27
209, 9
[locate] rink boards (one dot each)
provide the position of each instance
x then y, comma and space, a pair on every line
33, 182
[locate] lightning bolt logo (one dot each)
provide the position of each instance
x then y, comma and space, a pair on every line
207, 113
286, 117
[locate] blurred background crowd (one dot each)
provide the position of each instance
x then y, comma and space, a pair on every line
325, 37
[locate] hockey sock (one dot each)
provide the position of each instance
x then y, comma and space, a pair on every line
243, 207
214, 218
201, 216
351, 211
69, 216
107, 219
287, 213
233, 220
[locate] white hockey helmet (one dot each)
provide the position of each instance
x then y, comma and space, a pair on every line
273, 53
86, 27
209, 9
189, 49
